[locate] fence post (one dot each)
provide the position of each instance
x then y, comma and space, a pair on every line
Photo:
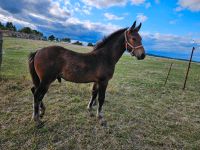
168, 73
188, 69
1, 45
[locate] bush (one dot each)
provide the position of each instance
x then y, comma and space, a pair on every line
78, 43
51, 38
26, 30
90, 44
66, 40
37, 32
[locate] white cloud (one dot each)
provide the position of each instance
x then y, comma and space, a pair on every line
9, 18
141, 17
193, 5
104, 3
86, 9
157, 1
137, 2
167, 42
57, 11
82, 9
147, 5
39, 16
178, 8
92, 26
72, 21
58, 19
110, 16
172, 21
141, 2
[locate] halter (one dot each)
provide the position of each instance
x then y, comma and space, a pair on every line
133, 48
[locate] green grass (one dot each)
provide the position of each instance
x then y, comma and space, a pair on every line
141, 112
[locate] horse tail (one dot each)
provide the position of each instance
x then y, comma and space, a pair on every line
34, 76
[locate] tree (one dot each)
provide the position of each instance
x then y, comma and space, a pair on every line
37, 33
2, 27
44, 38
10, 26
90, 44
78, 43
66, 40
26, 30
51, 38
57, 39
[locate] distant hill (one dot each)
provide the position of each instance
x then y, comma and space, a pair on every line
154, 55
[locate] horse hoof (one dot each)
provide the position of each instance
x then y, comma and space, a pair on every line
103, 122
94, 103
41, 115
91, 114
39, 124
35, 118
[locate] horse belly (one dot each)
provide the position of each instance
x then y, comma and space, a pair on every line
79, 75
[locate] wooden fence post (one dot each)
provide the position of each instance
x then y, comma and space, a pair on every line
1, 45
168, 73
188, 69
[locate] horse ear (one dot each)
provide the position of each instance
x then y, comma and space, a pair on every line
138, 27
133, 26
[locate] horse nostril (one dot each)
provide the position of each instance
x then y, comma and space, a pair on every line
142, 56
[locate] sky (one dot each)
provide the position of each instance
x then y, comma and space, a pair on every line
169, 27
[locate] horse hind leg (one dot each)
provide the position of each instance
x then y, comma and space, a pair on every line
93, 98
38, 104
42, 106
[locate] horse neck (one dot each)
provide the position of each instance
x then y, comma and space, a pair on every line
116, 47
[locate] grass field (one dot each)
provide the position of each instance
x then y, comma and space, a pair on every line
141, 112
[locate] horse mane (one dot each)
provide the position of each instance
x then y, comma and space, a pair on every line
105, 39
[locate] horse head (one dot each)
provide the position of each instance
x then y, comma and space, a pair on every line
133, 41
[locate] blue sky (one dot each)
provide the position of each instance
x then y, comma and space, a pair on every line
168, 27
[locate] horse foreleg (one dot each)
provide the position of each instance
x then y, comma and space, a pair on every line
101, 98
93, 98
42, 109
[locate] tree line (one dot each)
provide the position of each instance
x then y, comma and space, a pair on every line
11, 27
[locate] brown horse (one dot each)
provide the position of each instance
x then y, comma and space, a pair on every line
55, 62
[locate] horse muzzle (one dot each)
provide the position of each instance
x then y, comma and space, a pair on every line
141, 57
139, 53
